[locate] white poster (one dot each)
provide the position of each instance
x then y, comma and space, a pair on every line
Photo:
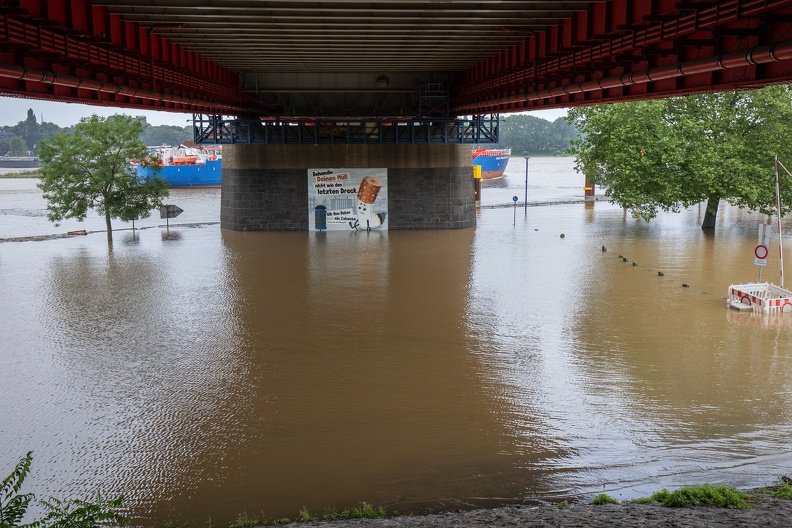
347, 199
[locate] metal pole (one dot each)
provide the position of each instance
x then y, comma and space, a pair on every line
526, 184
778, 214
514, 199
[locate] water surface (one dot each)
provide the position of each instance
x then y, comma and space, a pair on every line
205, 373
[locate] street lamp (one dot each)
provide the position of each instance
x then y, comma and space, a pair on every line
526, 184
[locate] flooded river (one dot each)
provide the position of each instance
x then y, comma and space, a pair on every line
206, 373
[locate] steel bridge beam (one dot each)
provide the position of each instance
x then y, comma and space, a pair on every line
294, 58
216, 129
626, 49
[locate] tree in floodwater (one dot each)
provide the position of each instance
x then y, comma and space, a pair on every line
90, 169
673, 153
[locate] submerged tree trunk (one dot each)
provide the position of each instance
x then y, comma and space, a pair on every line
711, 214
109, 227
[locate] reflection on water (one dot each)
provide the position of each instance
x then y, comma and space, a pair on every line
204, 373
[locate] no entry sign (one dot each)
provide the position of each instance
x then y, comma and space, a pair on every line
761, 251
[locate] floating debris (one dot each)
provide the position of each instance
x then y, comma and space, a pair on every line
660, 274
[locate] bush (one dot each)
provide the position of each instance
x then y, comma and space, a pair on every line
705, 494
13, 505
60, 514
603, 498
784, 492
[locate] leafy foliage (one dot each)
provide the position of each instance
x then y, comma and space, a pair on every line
77, 513
90, 169
17, 147
672, 153
603, 498
166, 135
14, 505
31, 133
533, 135
783, 492
705, 494
69, 514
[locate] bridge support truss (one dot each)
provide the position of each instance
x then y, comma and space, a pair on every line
214, 129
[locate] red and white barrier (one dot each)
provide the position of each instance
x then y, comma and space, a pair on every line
763, 297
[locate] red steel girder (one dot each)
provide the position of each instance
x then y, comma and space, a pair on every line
738, 59
71, 49
53, 78
599, 37
66, 49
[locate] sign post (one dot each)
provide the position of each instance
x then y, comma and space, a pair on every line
170, 211
526, 185
761, 251
514, 199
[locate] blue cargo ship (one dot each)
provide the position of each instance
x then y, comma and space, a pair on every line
188, 166
493, 161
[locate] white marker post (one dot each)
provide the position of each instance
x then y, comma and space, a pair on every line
761, 251
778, 214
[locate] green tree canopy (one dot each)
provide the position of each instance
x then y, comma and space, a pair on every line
29, 130
90, 169
672, 153
17, 147
166, 135
529, 134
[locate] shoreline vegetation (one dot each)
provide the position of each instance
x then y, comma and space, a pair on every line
688, 506
699, 505
12, 175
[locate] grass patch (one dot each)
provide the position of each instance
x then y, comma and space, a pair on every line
365, 511
702, 495
34, 174
245, 521
784, 492
562, 505
603, 498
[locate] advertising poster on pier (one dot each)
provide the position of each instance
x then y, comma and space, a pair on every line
347, 199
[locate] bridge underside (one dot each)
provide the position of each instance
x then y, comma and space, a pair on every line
336, 59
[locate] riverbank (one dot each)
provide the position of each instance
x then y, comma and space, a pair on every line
767, 512
25, 173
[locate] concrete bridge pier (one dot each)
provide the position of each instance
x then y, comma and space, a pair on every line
266, 187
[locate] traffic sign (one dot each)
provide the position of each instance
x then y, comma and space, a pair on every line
170, 211
761, 251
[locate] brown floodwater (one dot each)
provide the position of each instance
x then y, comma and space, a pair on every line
205, 373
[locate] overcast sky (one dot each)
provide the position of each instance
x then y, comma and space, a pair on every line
13, 110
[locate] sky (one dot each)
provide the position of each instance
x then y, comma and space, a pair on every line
13, 110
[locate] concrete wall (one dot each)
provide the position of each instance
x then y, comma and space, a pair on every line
265, 187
